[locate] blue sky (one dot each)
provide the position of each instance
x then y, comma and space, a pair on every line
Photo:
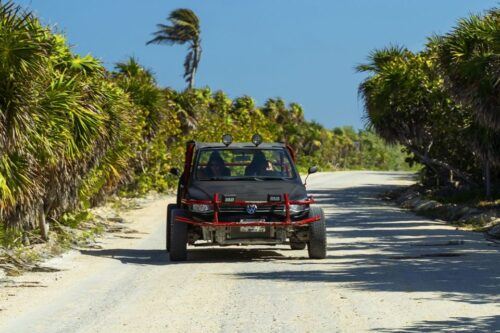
301, 50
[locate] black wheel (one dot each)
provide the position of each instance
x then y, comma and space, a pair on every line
168, 230
297, 245
178, 237
316, 246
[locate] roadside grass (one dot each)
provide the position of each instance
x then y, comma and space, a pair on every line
489, 204
467, 210
472, 198
24, 250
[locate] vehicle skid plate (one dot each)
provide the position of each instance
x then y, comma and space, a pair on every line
248, 224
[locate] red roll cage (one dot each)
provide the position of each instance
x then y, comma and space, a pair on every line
216, 203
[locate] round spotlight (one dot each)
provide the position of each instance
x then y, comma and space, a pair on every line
227, 139
256, 139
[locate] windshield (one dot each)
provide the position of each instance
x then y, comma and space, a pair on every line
243, 164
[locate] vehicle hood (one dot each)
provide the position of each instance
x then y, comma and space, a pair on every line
246, 190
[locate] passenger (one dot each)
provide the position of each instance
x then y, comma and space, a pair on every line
259, 166
270, 166
216, 167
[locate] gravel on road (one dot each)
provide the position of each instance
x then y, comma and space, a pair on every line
387, 270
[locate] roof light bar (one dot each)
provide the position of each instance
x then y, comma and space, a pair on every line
227, 139
256, 139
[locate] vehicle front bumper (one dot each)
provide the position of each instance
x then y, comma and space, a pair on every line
216, 202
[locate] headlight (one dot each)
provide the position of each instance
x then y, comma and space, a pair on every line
201, 208
297, 208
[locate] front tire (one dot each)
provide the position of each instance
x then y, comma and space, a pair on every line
168, 230
178, 237
316, 246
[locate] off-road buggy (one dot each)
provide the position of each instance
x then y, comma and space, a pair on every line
242, 194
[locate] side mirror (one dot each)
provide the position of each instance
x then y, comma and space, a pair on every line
312, 169
175, 172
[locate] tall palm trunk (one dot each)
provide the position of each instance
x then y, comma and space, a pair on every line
194, 66
191, 79
42, 223
487, 178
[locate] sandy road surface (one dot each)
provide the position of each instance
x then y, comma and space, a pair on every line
387, 271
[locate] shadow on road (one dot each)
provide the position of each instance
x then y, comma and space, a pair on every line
462, 324
373, 246
401, 253
197, 255
235, 255
132, 256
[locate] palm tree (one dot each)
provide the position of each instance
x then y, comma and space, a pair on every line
140, 85
62, 125
405, 103
184, 28
23, 52
469, 60
383, 95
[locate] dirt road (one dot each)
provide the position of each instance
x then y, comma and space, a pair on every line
387, 271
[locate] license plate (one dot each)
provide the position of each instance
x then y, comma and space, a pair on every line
252, 220
253, 229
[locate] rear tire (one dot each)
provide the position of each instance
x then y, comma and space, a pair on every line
178, 237
316, 246
168, 230
297, 245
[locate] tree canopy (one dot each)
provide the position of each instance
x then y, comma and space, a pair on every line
73, 133
442, 104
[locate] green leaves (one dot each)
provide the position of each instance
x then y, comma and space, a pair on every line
470, 62
60, 119
87, 65
72, 133
441, 103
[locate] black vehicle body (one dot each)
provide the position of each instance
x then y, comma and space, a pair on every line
266, 209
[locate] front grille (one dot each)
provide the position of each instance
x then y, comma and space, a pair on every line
238, 217
279, 209
236, 213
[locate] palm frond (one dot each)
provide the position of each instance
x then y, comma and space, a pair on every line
184, 28
470, 62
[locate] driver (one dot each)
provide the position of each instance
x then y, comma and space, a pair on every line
216, 167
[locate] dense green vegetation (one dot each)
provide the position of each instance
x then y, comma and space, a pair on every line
442, 104
73, 133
